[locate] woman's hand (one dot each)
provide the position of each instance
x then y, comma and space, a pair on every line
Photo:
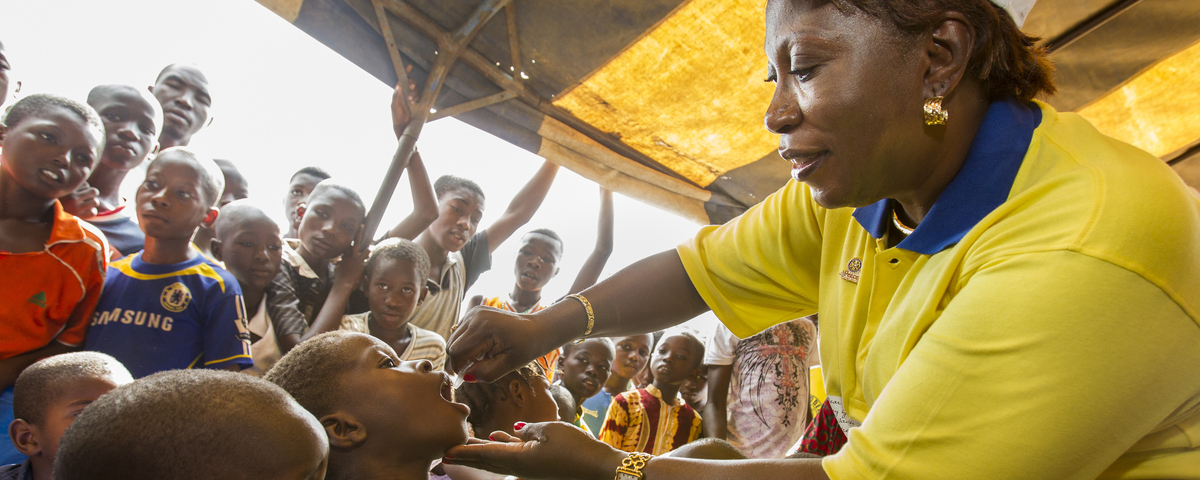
488, 343
541, 450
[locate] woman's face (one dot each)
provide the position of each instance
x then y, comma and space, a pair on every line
848, 102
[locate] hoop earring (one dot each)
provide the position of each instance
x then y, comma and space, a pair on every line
934, 113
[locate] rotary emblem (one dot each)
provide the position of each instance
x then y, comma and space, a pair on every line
853, 267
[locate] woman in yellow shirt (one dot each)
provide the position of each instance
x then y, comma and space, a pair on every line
1004, 291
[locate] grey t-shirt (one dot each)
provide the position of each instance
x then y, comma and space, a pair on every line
441, 308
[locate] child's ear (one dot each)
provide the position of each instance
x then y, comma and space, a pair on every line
215, 249
424, 293
3, 131
153, 150
343, 430
514, 392
24, 437
210, 217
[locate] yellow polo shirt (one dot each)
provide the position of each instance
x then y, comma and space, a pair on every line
1043, 321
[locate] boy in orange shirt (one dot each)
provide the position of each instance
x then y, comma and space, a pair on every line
53, 263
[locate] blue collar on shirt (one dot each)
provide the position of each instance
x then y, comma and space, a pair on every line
981, 185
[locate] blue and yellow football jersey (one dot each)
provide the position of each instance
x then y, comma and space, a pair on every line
163, 317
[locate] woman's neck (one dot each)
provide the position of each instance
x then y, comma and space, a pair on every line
167, 252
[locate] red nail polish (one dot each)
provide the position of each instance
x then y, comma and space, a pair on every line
519, 425
447, 460
491, 438
469, 378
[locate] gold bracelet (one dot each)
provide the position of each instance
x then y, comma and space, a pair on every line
631, 467
591, 315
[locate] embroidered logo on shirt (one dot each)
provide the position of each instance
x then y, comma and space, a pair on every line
175, 297
38, 299
850, 274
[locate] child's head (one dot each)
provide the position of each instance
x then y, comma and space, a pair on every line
300, 186
182, 90
679, 356
50, 394
695, 390
373, 405
394, 281
179, 194
520, 396
248, 242
193, 424
633, 353
236, 185
585, 367
132, 120
330, 219
566, 404
50, 145
537, 259
460, 208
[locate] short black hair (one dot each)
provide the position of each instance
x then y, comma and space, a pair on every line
330, 185
40, 103
566, 349
313, 171
398, 249
311, 372
42, 383
212, 179
229, 170
449, 183
481, 397
181, 424
549, 233
566, 403
690, 335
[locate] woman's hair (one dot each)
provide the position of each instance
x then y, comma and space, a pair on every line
481, 397
1007, 62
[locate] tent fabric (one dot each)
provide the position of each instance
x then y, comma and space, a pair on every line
662, 100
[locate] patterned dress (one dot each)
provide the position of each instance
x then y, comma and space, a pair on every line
640, 421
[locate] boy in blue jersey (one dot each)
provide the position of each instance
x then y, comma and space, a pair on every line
168, 307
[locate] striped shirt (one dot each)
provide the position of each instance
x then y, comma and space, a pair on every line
425, 345
640, 421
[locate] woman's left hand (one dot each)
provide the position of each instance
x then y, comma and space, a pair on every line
541, 450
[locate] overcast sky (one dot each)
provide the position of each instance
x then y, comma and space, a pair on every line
283, 101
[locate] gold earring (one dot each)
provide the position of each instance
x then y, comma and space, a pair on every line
934, 113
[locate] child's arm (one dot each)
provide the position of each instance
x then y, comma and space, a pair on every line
590, 273
425, 205
346, 277
283, 308
226, 338
715, 413
522, 207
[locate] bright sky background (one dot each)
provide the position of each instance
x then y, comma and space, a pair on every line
283, 101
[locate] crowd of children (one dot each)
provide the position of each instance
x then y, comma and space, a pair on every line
346, 334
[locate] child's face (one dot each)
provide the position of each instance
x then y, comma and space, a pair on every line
675, 360
459, 213
171, 203
49, 155
632, 355
301, 185
586, 368
537, 262
695, 389
132, 124
61, 412
329, 223
393, 292
406, 406
182, 91
252, 251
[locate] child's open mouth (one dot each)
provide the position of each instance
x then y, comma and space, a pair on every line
447, 393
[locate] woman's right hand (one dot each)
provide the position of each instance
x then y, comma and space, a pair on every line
488, 343
541, 450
